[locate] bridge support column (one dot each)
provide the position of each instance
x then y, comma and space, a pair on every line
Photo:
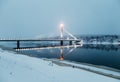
70, 42
61, 43
18, 44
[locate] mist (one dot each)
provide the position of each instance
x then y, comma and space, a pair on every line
31, 18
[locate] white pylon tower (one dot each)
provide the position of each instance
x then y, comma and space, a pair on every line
61, 30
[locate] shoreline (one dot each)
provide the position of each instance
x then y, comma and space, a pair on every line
76, 65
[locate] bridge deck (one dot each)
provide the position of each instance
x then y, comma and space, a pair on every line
39, 40
24, 40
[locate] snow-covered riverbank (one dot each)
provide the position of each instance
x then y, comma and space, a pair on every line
20, 68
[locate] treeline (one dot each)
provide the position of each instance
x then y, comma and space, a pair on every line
100, 38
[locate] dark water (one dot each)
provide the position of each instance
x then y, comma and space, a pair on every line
104, 55
109, 56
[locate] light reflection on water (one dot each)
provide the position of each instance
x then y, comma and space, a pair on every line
105, 55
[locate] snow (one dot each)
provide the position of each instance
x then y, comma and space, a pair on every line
101, 69
20, 68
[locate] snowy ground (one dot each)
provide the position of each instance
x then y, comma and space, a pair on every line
20, 68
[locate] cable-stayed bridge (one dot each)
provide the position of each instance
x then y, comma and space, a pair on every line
71, 38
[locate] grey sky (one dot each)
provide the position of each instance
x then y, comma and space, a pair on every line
30, 18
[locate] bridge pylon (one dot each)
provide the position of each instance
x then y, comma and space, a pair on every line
63, 30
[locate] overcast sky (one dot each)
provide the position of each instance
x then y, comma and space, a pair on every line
31, 18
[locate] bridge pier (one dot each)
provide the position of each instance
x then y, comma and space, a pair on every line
70, 42
61, 42
18, 44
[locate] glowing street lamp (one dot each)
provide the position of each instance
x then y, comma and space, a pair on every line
61, 26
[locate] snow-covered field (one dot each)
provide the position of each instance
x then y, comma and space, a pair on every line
20, 68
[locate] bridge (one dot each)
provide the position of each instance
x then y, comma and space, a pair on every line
61, 39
